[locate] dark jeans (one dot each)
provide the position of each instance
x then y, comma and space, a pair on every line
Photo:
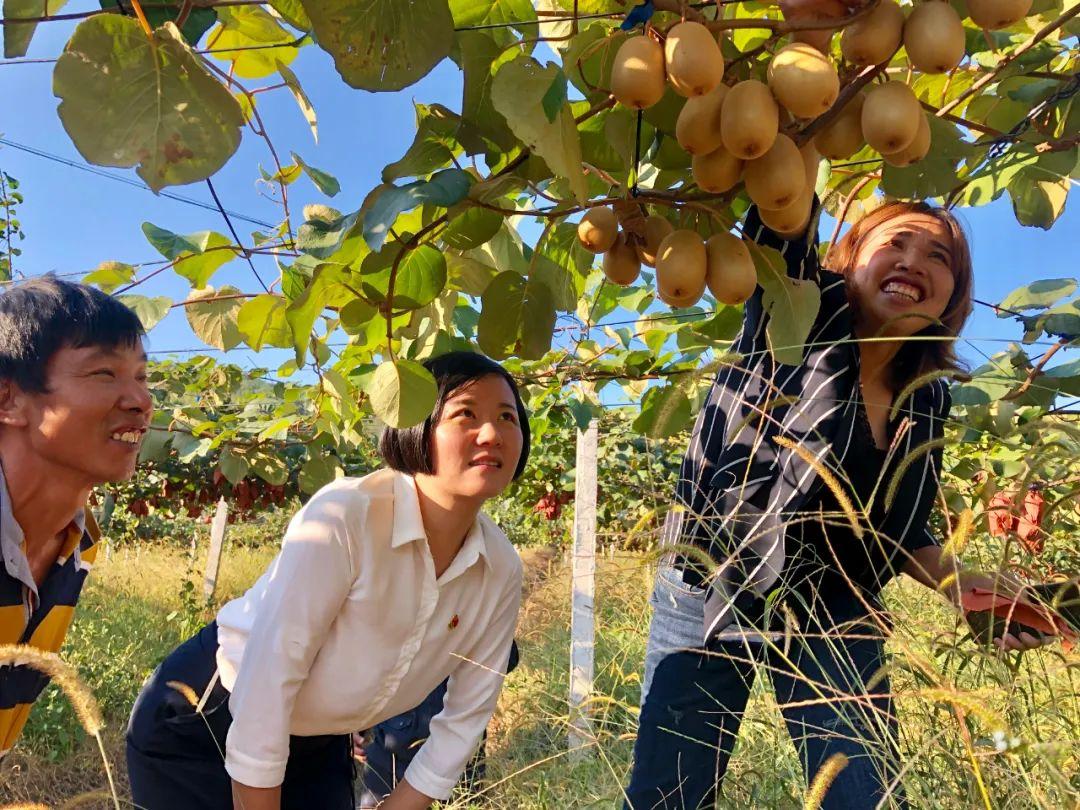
696, 697
176, 757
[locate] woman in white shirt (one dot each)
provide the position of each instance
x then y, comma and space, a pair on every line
385, 586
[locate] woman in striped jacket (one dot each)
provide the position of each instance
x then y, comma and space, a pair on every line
804, 490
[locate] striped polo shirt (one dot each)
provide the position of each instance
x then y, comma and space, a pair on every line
39, 617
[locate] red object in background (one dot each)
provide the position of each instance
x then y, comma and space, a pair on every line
1019, 611
1029, 524
1002, 520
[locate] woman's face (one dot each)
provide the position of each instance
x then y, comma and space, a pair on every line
477, 441
903, 267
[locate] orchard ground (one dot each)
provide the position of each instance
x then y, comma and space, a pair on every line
977, 730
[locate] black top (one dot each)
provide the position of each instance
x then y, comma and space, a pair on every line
831, 575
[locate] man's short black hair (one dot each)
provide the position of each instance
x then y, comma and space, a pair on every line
40, 316
408, 450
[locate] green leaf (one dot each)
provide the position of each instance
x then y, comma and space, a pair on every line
555, 97
198, 20
292, 11
791, 305
302, 100
518, 316
151, 311
110, 275
326, 183
382, 45
318, 472
126, 100
472, 228
250, 30
517, 93
491, 12
433, 147
444, 188
214, 321
327, 288
1037, 295
1038, 203
262, 322
197, 256
233, 466
664, 412
421, 276
17, 36
467, 274
402, 393
480, 55
1063, 320
269, 468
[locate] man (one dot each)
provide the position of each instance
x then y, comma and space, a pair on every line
74, 407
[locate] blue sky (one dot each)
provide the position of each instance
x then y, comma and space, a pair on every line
74, 220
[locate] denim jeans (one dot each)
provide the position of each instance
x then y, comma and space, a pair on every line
694, 697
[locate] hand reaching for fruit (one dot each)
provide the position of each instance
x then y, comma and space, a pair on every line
1014, 631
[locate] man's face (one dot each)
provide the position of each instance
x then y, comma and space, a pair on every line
89, 424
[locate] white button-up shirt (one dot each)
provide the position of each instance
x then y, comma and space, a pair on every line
349, 626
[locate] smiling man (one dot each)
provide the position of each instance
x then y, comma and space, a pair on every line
74, 406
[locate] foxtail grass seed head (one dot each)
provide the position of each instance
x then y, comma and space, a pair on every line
826, 475
961, 533
185, 690
919, 382
64, 675
906, 462
823, 779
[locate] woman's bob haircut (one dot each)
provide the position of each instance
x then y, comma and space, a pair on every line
408, 450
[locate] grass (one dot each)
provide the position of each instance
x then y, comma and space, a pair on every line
978, 730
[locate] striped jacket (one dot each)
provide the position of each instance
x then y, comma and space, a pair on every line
738, 487
36, 617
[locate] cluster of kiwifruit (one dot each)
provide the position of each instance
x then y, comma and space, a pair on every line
685, 262
733, 133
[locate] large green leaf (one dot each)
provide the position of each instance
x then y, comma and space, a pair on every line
468, 274
127, 100
517, 93
382, 44
197, 256
330, 286
1037, 202
444, 188
250, 30
150, 310
664, 412
518, 317
325, 182
480, 55
402, 393
433, 147
292, 11
792, 306
472, 227
214, 321
1038, 295
491, 12
319, 471
421, 276
17, 36
262, 322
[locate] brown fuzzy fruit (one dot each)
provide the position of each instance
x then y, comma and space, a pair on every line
682, 301
872, 39
680, 266
994, 14
598, 230
730, 274
820, 39
778, 177
804, 80
717, 171
934, 37
694, 62
637, 74
750, 120
698, 127
621, 263
656, 228
890, 117
843, 136
914, 151
791, 220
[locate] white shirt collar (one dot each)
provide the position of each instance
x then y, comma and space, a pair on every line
409, 526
